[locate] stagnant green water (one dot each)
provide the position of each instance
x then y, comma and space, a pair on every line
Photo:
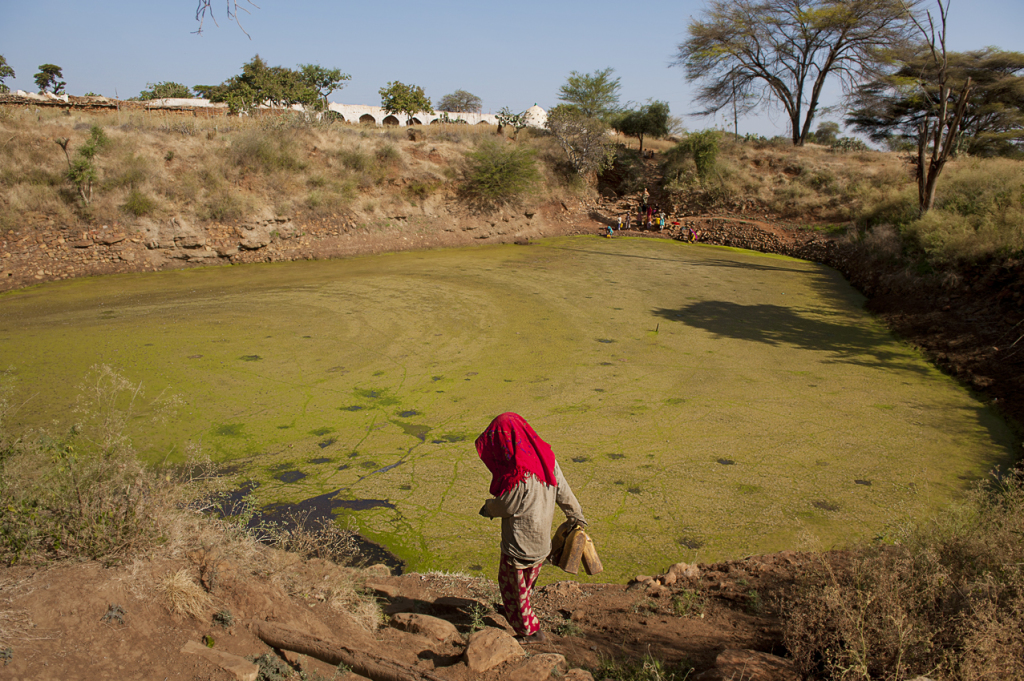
703, 402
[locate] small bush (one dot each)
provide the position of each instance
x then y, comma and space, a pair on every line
224, 206
568, 629
354, 159
265, 151
388, 155
138, 204
947, 601
689, 603
499, 173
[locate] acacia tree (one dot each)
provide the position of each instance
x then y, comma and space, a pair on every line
785, 50
649, 120
890, 109
323, 81
397, 97
595, 95
260, 84
5, 72
460, 101
938, 130
49, 78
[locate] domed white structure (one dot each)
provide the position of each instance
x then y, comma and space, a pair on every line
536, 116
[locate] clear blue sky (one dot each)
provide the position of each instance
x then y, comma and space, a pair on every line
508, 54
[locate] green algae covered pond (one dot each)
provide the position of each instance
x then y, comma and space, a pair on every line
704, 402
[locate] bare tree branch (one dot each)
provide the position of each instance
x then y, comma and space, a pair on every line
232, 9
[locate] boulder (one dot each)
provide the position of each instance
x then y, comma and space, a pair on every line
489, 648
175, 233
432, 627
684, 571
110, 239
749, 665
378, 570
578, 675
540, 668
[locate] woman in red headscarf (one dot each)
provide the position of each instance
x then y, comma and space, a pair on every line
526, 484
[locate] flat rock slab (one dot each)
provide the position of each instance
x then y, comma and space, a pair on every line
489, 648
540, 668
242, 669
432, 627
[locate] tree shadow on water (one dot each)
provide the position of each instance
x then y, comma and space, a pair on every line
781, 326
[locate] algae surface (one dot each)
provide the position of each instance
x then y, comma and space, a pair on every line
703, 402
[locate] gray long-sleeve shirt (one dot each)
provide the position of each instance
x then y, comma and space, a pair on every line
526, 512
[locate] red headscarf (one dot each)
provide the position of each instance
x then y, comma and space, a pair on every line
511, 450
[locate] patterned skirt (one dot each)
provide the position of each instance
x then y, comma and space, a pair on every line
516, 587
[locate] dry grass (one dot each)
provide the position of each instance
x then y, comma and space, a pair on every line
945, 601
183, 596
229, 169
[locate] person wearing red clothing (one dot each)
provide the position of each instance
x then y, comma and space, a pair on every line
526, 484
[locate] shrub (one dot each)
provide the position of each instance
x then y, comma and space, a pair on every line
354, 159
259, 150
82, 493
388, 155
703, 148
947, 601
499, 173
138, 204
224, 206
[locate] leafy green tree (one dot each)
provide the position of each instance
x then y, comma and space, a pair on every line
165, 90
786, 50
396, 98
49, 78
583, 138
649, 120
460, 101
596, 94
324, 81
890, 109
260, 84
5, 72
827, 133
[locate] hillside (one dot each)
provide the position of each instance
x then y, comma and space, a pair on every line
174, 192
